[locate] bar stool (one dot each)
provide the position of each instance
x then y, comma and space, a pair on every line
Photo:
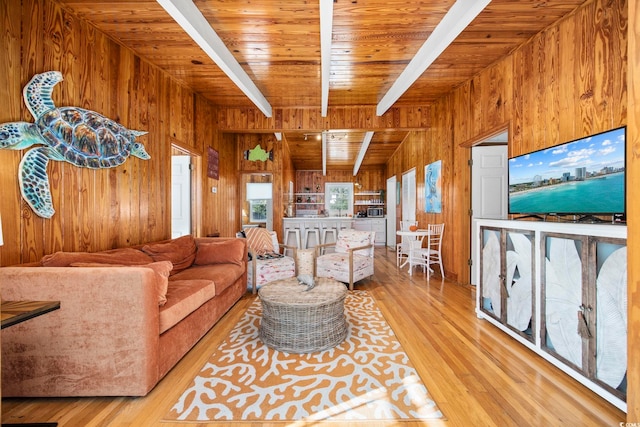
311, 229
292, 229
345, 225
329, 228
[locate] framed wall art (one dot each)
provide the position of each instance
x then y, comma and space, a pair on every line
433, 187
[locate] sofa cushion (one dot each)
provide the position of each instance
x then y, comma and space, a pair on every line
225, 252
222, 275
184, 297
162, 270
123, 256
181, 252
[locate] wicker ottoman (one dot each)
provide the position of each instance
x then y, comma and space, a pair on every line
299, 321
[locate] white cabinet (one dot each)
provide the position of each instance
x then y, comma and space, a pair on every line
561, 290
379, 225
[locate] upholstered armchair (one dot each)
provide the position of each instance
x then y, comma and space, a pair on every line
267, 262
352, 259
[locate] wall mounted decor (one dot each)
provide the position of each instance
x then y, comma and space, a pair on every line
213, 165
433, 187
81, 137
258, 153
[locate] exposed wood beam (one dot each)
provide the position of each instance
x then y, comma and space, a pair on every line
454, 22
363, 150
326, 25
189, 17
243, 119
324, 153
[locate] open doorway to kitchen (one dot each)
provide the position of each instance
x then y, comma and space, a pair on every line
257, 200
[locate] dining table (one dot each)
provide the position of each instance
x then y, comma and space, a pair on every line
418, 234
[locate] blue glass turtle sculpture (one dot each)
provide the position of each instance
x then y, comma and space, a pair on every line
71, 134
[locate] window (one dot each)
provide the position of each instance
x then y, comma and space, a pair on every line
258, 210
338, 198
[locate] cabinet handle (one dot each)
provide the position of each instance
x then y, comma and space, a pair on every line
503, 279
583, 325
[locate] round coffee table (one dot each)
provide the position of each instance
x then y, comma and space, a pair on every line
299, 321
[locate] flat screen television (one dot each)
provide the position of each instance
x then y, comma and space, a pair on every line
584, 177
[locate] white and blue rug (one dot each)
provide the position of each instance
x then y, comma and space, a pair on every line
367, 377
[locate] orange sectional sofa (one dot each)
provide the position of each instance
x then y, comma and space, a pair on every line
126, 316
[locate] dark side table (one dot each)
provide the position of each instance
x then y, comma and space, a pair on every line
14, 312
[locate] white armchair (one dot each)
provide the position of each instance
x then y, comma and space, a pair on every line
267, 262
352, 259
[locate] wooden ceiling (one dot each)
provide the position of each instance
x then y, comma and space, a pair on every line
277, 44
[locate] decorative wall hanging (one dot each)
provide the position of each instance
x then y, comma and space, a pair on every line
81, 137
433, 187
213, 170
258, 153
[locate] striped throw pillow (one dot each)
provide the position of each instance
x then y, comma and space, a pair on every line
259, 239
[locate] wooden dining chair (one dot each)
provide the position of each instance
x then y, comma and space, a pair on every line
434, 246
402, 248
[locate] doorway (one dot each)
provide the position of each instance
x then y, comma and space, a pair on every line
391, 211
180, 195
489, 184
409, 195
257, 200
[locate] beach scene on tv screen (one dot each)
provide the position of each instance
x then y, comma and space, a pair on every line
585, 176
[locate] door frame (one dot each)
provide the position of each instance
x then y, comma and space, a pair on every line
196, 187
391, 211
487, 137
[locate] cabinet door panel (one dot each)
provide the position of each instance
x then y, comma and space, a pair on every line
491, 270
563, 296
611, 314
519, 281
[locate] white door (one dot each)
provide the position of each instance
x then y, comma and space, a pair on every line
391, 211
489, 182
409, 195
489, 189
180, 196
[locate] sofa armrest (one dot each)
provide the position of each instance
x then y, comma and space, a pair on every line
103, 341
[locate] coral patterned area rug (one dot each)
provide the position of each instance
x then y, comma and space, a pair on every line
367, 377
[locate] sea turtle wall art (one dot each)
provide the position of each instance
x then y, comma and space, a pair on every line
81, 137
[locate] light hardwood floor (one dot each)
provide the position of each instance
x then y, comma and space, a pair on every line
477, 375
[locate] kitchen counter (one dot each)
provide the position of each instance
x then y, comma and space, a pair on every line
332, 217
377, 224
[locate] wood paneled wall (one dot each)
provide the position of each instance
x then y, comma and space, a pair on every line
105, 208
567, 82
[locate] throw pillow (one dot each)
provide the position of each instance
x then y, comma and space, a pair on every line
180, 251
161, 269
260, 240
225, 252
123, 256
348, 239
